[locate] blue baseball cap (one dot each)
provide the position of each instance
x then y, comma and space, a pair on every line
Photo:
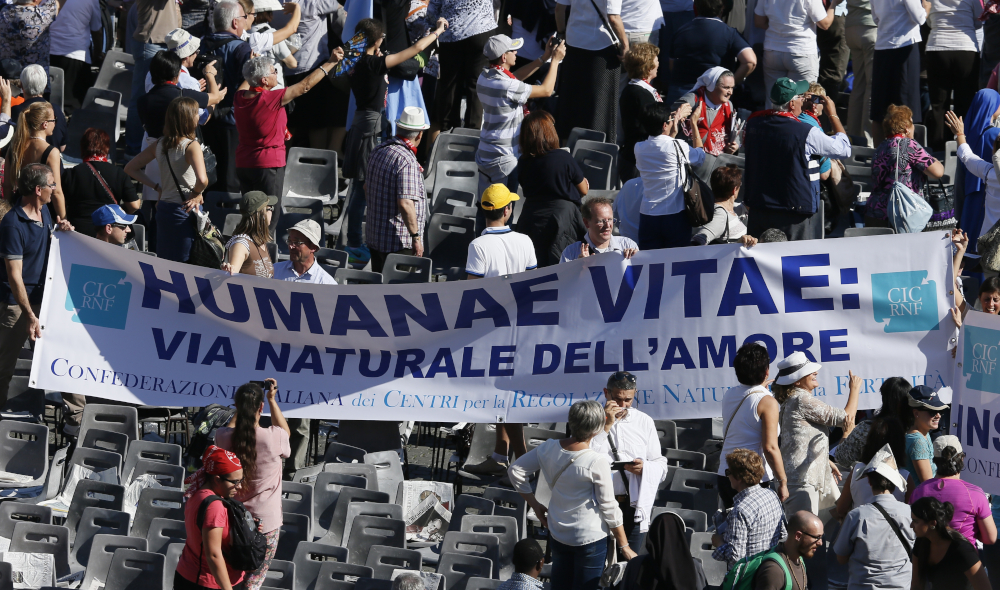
109, 214
925, 398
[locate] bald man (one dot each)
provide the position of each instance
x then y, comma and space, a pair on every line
805, 535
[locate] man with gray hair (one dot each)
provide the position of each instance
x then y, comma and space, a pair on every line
220, 133
781, 182
25, 232
34, 79
408, 582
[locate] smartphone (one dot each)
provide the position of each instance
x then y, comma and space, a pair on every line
817, 99
621, 464
260, 384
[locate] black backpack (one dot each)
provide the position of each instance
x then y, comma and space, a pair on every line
247, 545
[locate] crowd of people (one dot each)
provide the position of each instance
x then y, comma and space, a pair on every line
741, 98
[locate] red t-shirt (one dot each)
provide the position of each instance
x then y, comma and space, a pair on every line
216, 516
261, 122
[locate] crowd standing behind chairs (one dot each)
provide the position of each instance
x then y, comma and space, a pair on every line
546, 131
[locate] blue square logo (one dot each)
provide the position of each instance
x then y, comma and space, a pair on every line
99, 296
905, 301
980, 356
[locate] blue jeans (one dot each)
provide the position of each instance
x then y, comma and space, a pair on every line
664, 231
174, 232
356, 205
143, 54
578, 568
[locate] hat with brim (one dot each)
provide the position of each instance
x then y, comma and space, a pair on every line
412, 119
794, 367
310, 230
111, 214
884, 464
785, 89
182, 43
497, 196
498, 45
925, 398
254, 201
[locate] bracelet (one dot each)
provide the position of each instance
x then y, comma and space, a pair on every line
324, 71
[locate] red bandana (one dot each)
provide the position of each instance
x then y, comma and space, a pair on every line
813, 115
97, 158
409, 144
215, 461
897, 136
259, 89
172, 83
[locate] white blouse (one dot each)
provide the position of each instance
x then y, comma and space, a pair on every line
583, 508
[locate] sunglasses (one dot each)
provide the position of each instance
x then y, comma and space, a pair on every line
234, 482
623, 376
119, 226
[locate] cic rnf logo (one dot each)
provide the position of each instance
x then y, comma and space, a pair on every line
99, 296
907, 301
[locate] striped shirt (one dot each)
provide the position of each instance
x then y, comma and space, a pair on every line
393, 174
503, 99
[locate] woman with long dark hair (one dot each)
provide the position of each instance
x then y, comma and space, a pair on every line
893, 391
260, 451
942, 557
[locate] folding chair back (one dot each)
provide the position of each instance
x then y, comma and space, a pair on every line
368, 472
477, 544
505, 529
116, 74
124, 419
294, 530
173, 557
400, 268
383, 560
340, 453
686, 459
351, 276
468, 505
24, 449
297, 498
93, 494
666, 431
139, 235
326, 492
96, 521
463, 176
280, 574
330, 257
309, 558
102, 550
702, 484
145, 450
596, 167
156, 503
23, 398
356, 509
163, 532
307, 205
390, 471
457, 568
12, 513
599, 146
57, 83
34, 537
310, 173
333, 574
169, 476
218, 205
338, 520
578, 133
373, 436
448, 239
368, 531
447, 199
135, 570
701, 548
509, 503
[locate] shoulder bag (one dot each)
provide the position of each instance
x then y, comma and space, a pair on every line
906, 212
895, 528
607, 25
206, 248
699, 203
100, 179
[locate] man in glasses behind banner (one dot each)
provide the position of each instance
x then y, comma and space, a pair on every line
632, 446
598, 218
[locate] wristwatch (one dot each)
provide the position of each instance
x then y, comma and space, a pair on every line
416, 235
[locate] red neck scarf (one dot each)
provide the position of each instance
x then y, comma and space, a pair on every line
259, 89
171, 82
714, 136
813, 115
897, 136
409, 144
215, 461
505, 71
96, 158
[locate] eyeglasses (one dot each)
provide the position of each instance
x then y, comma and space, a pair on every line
294, 244
244, 16
604, 222
50, 186
235, 482
50, 120
270, 208
816, 539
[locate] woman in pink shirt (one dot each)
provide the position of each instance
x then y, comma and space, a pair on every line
202, 563
973, 516
260, 450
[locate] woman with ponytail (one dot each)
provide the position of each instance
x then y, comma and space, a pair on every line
260, 451
30, 146
943, 557
972, 516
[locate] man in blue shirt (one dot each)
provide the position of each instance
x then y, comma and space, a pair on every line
24, 245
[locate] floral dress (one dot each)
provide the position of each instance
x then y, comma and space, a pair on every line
805, 445
913, 159
24, 32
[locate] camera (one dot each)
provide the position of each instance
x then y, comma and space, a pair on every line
817, 99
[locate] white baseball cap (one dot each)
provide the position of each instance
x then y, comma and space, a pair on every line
498, 45
310, 230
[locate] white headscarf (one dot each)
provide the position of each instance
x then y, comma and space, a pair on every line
709, 79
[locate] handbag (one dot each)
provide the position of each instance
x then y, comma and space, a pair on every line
211, 162
942, 201
206, 247
699, 203
906, 211
989, 248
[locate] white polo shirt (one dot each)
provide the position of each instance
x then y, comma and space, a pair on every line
500, 251
284, 271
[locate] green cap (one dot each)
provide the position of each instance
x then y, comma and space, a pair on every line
785, 90
254, 201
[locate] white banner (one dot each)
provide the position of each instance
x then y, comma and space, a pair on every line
976, 403
522, 348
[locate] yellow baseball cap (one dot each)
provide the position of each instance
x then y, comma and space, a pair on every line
497, 196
